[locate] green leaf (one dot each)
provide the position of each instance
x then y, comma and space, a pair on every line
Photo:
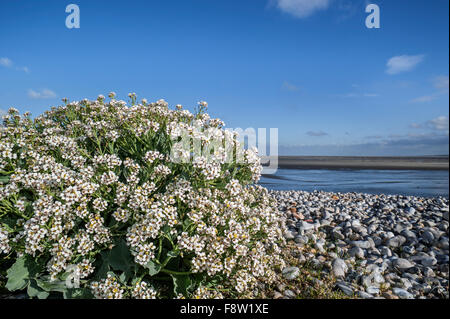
153, 268
172, 254
101, 266
52, 285
181, 284
4, 179
119, 258
123, 278
34, 290
78, 293
19, 273
9, 222
7, 227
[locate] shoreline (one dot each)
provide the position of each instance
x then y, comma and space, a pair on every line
440, 163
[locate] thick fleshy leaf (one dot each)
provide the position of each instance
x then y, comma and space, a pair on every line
119, 258
153, 268
20, 272
59, 286
34, 290
78, 293
181, 284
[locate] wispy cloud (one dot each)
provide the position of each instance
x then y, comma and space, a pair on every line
24, 69
356, 95
440, 123
43, 94
430, 143
441, 82
347, 9
370, 95
316, 133
301, 8
416, 125
424, 99
403, 63
6, 62
290, 87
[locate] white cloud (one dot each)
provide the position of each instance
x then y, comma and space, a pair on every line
424, 99
9, 63
441, 85
441, 82
5, 62
416, 125
289, 86
24, 69
317, 133
440, 123
43, 94
424, 144
302, 8
358, 95
403, 63
370, 95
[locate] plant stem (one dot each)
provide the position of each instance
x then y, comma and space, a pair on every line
172, 272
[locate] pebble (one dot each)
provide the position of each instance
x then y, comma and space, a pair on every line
361, 244
373, 290
306, 226
356, 252
428, 237
289, 235
277, 295
290, 273
364, 295
402, 264
339, 268
402, 293
337, 235
345, 289
290, 294
396, 241
428, 261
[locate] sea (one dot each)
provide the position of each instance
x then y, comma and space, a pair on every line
423, 183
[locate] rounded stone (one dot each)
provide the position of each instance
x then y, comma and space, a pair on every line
290, 273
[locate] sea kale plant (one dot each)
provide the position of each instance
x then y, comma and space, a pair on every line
108, 200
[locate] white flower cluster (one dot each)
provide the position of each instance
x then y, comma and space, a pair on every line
4, 244
205, 293
142, 290
108, 288
89, 172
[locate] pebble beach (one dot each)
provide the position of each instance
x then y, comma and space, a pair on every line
375, 246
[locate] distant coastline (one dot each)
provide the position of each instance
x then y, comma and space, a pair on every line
362, 162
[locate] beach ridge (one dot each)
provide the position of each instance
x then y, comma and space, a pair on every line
360, 162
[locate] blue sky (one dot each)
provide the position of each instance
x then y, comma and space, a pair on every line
310, 68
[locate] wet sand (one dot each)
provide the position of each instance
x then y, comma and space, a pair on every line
366, 162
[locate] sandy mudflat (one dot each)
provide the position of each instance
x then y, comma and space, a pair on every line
369, 162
